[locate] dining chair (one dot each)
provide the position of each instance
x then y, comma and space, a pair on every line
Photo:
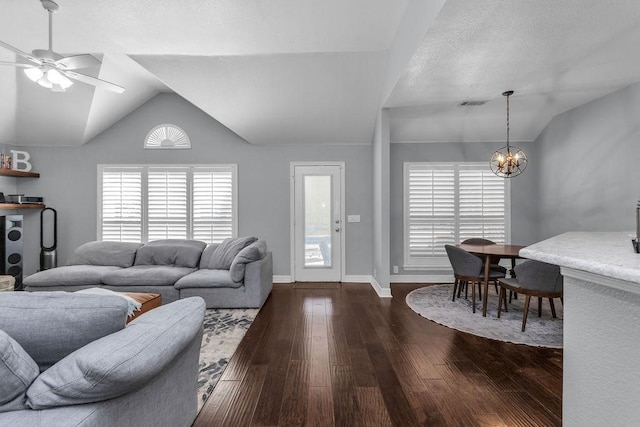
533, 279
478, 241
468, 268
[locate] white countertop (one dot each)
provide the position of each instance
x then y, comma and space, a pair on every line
608, 254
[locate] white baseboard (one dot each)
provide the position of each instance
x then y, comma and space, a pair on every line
281, 279
357, 278
421, 278
382, 292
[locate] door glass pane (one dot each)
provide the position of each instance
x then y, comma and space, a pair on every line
317, 220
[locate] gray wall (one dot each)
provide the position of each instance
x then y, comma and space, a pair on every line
524, 191
581, 176
68, 180
588, 166
381, 197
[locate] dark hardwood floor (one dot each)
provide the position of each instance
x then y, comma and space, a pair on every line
344, 357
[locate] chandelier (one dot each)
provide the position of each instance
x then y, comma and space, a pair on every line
508, 161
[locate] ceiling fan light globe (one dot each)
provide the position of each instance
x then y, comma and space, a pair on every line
54, 76
57, 78
44, 82
34, 74
65, 83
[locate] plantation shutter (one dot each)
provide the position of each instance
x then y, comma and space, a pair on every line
167, 203
121, 205
448, 203
431, 210
213, 204
482, 205
144, 203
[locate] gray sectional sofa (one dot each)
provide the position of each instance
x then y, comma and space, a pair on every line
236, 273
67, 359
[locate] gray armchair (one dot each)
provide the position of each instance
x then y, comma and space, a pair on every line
468, 268
533, 279
67, 359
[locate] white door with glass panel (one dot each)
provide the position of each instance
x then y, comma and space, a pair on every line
317, 235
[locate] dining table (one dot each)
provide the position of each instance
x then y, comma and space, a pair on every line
492, 252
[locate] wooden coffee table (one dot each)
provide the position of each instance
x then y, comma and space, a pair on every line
148, 301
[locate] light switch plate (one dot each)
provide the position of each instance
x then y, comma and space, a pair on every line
353, 218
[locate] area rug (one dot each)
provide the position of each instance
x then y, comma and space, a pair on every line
434, 303
223, 331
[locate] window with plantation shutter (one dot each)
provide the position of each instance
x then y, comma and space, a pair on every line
144, 203
213, 204
482, 204
121, 205
446, 203
167, 196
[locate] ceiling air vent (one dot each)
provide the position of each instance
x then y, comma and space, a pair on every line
167, 137
472, 103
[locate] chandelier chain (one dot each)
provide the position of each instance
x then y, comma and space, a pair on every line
508, 122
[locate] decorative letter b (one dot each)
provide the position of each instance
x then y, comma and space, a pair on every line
21, 157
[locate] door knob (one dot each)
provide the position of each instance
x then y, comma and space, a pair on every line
337, 221
337, 229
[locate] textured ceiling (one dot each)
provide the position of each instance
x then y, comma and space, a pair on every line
310, 72
555, 55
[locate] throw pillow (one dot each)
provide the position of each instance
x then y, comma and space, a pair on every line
17, 371
122, 362
173, 252
226, 251
253, 252
50, 325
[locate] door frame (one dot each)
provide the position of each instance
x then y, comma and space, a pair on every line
292, 214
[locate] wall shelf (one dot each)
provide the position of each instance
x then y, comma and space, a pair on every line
22, 174
22, 206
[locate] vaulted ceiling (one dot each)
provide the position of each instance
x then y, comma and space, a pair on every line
309, 72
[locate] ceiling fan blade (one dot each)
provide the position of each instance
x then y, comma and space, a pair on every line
21, 53
16, 64
77, 61
94, 81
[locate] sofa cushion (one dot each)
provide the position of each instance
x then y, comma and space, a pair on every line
69, 275
146, 275
119, 254
226, 251
207, 279
17, 370
251, 253
205, 259
50, 325
177, 252
121, 362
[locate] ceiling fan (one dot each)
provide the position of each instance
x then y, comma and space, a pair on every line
54, 71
